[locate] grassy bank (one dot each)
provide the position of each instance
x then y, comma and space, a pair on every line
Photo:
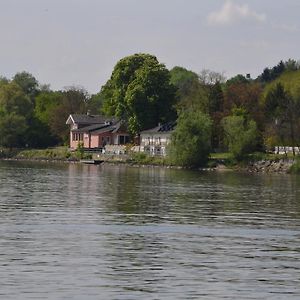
216, 160
57, 153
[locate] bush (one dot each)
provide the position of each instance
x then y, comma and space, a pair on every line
191, 140
240, 135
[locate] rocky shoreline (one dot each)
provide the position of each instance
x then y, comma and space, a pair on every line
270, 166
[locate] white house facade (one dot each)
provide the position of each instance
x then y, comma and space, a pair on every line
155, 140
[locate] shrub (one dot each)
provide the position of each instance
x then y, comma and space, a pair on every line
191, 140
240, 135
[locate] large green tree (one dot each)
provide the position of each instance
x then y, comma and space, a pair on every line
191, 139
139, 91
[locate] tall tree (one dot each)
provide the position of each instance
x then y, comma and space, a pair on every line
139, 91
216, 112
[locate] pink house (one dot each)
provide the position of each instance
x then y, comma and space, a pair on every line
95, 131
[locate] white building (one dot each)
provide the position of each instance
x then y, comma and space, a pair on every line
154, 141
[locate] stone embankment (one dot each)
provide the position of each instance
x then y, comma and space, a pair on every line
271, 166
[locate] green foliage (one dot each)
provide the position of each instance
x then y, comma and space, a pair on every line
142, 158
191, 92
295, 167
216, 98
270, 74
190, 142
12, 129
282, 111
15, 111
95, 104
196, 98
240, 135
14, 100
72, 101
182, 78
45, 103
27, 83
79, 153
290, 80
139, 91
57, 153
238, 79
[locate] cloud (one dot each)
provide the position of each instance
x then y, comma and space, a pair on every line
232, 12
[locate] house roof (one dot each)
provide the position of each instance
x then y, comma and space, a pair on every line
161, 128
90, 128
87, 119
110, 128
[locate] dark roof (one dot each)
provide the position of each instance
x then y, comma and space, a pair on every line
111, 128
162, 128
91, 127
89, 119
108, 128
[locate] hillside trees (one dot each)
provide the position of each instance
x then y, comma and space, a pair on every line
270, 74
139, 91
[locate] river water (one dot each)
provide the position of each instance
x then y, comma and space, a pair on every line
70, 231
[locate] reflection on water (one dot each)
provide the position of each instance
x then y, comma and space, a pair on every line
115, 232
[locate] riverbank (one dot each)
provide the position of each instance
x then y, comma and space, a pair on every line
262, 163
272, 166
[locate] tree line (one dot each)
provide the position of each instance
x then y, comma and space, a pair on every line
239, 114
32, 115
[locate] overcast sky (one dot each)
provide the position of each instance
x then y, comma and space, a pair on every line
78, 42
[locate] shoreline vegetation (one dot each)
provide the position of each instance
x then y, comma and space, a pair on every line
245, 117
253, 163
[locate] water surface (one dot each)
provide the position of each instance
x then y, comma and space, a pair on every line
115, 232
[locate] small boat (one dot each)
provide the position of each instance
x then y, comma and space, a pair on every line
91, 161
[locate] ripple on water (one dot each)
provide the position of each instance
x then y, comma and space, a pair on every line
111, 232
